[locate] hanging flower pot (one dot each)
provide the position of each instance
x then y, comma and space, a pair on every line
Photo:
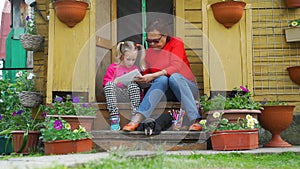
30, 99
70, 12
292, 3
228, 12
31, 42
294, 73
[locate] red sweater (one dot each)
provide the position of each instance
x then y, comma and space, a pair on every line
171, 57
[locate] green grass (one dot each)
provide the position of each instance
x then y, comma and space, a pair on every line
289, 160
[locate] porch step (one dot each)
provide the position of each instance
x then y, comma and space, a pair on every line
102, 121
167, 140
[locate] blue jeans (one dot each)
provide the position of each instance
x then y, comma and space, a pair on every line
185, 91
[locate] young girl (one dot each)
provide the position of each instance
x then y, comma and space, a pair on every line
130, 56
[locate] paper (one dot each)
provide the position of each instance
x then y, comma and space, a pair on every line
128, 77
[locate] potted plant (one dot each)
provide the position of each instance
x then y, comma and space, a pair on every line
228, 12
243, 134
275, 117
292, 33
16, 120
60, 138
31, 40
22, 128
70, 12
73, 110
234, 107
25, 83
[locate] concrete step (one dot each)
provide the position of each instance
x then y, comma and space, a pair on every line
167, 140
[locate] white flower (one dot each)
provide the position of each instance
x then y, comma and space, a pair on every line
1, 101
81, 129
30, 76
75, 131
248, 117
68, 126
216, 115
202, 122
19, 74
255, 121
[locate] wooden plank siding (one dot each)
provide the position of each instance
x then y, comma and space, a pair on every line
193, 38
271, 54
40, 58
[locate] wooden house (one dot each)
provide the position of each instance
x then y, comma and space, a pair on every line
252, 53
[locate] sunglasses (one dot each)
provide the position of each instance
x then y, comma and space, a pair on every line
154, 40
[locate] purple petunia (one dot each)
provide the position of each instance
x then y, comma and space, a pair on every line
244, 89
57, 124
85, 105
58, 99
76, 99
44, 114
19, 112
1, 117
14, 114
27, 18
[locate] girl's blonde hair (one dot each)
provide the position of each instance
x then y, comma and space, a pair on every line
128, 48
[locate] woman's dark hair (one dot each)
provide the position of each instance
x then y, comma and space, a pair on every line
160, 25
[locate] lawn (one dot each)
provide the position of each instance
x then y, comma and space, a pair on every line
288, 160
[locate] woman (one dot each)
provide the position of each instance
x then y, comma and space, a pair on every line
167, 66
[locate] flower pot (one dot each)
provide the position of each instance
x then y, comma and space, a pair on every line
292, 34
31, 42
33, 138
85, 121
5, 145
67, 146
228, 12
235, 139
294, 73
292, 3
234, 114
276, 119
70, 12
30, 99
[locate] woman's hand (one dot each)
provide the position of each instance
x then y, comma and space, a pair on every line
145, 79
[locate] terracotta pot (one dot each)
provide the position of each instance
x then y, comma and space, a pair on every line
234, 114
292, 3
235, 139
294, 73
85, 121
68, 146
70, 12
33, 138
276, 119
228, 13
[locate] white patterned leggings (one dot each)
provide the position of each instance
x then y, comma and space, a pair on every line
115, 94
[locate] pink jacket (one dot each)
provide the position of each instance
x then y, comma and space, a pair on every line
114, 70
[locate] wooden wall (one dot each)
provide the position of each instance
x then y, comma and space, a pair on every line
189, 25
41, 57
272, 54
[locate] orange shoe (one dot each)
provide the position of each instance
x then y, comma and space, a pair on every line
130, 126
196, 126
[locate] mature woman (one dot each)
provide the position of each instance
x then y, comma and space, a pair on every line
167, 66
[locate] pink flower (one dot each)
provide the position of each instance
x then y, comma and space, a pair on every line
244, 89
